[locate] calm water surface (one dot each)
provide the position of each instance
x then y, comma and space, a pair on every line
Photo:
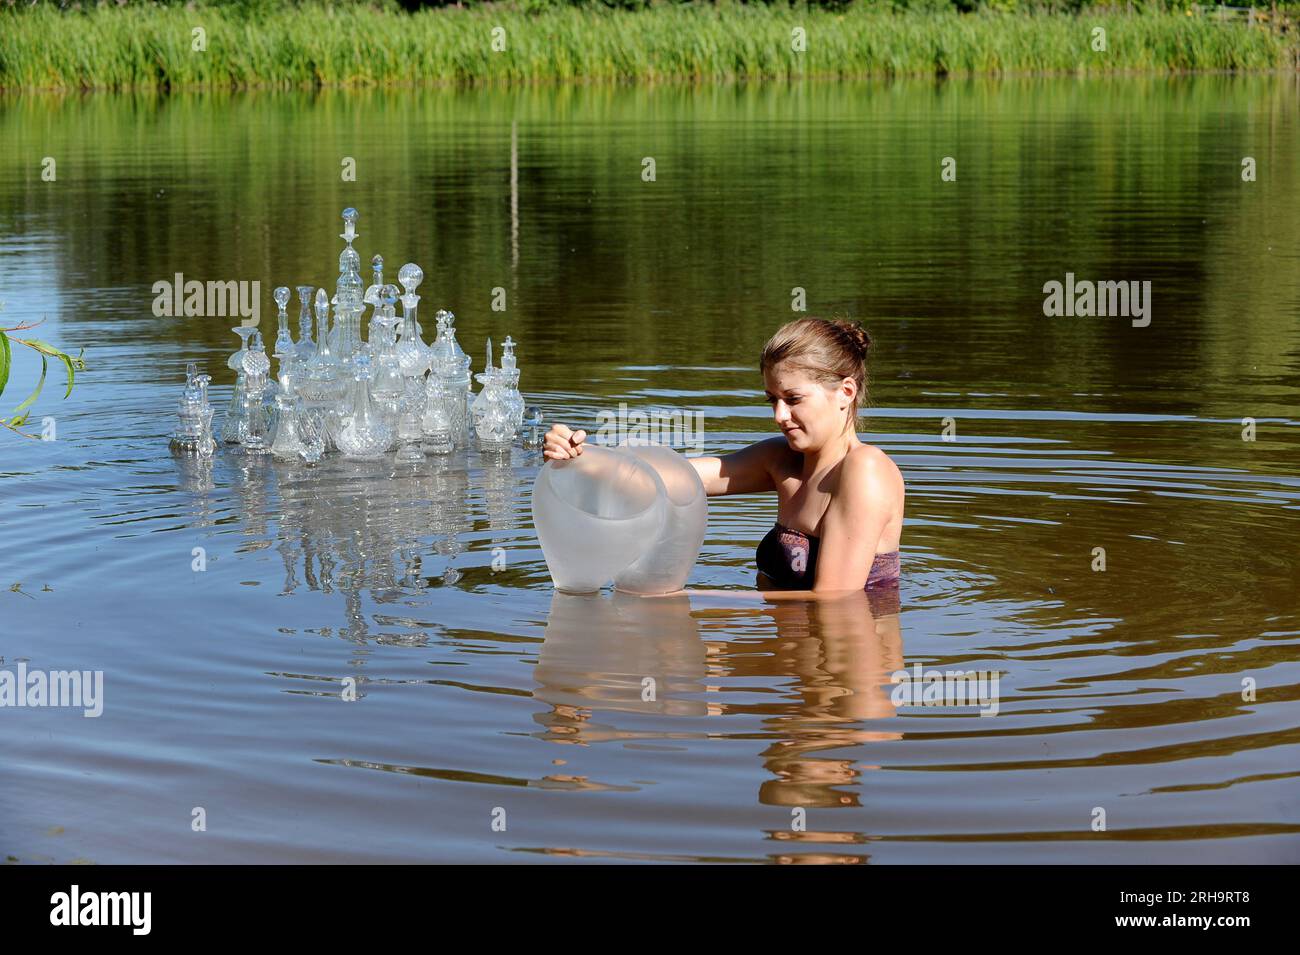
481, 688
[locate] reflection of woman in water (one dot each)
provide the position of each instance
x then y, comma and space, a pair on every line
839, 500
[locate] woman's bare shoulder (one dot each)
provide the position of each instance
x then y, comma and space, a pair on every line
867, 465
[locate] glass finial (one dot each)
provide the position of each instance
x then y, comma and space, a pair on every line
282, 297
410, 275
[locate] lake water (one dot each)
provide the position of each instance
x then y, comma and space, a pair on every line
1163, 691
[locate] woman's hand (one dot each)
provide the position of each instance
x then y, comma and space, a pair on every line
560, 443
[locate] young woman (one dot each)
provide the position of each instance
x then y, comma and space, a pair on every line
839, 501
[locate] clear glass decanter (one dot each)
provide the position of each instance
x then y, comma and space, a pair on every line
436, 423
371, 297
493, 419
510, 379
364, 433
189, 414
451, 364
285, 350
254, 429
412, 353
321, 383
409, 432
206, 445
387, 386
312, 434
287, 443
305, 347
348, 304
238, 398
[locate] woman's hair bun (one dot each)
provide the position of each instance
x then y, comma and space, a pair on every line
856, 335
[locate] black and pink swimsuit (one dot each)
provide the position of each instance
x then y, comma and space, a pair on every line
788, 558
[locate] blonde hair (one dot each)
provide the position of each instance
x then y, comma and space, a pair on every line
829, 350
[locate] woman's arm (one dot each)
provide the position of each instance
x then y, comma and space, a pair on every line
746, 471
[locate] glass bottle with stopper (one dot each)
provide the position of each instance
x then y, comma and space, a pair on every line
321, 381
348, 304
305, 347
287, 443
238, 398
254, 429
451, 364
189, 414
285, 350
436, 422
377, 272
412, 353
409, 431
206, 444
493, 420
387, 386
364, 434
514, 399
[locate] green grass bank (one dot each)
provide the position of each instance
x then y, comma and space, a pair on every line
224, 47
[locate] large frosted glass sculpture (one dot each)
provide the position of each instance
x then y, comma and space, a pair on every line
634, 515
667, 562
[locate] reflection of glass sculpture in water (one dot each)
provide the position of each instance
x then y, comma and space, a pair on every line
238, 399
364, 434
254, 429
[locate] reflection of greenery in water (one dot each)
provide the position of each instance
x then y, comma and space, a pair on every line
310, 46
831, 187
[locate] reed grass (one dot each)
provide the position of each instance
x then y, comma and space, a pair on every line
144, 47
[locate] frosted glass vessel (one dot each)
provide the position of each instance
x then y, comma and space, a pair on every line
668, 560
636, 515
595, 514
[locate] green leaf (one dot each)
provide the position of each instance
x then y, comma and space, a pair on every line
5, 360
71, 365
19, 419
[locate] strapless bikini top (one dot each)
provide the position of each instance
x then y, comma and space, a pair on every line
788, 558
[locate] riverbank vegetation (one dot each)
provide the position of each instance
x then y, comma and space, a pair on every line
252, 43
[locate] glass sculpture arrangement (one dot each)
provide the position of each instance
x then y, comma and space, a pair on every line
362, 397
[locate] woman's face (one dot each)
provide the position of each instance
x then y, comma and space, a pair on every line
808, 412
